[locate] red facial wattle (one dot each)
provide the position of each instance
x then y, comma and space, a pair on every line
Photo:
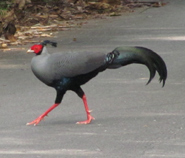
37, 48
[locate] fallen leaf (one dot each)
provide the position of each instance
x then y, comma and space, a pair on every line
115, 14
4, 45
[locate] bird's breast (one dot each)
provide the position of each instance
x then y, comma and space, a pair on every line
41, 69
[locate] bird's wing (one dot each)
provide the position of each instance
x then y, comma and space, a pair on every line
72, 64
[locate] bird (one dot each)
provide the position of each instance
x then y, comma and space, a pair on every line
70, 70
9, 31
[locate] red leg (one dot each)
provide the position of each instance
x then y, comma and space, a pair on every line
89, 117
37, 120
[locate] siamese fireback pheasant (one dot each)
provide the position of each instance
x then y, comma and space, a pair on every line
68, 71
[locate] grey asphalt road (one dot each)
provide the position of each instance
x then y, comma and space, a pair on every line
132, 120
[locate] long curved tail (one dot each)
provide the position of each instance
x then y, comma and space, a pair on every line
122, 56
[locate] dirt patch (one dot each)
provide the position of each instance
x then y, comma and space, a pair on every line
26, 20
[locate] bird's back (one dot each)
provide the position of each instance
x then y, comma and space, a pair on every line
72, 64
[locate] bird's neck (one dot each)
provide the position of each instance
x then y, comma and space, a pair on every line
44, 51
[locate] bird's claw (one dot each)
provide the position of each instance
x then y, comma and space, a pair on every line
36, 121
89, 119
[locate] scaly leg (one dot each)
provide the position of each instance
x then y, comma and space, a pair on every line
89, 117
37, 120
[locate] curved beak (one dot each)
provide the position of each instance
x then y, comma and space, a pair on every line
30, 51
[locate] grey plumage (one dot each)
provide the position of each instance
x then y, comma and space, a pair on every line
49, 67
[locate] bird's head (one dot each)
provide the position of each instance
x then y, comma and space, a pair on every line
37, 48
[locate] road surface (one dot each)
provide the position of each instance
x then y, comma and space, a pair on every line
132, 120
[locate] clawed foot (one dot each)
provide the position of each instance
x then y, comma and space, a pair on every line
36, 121
89, 119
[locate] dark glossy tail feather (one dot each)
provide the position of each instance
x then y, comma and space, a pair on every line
158, 63
140, 55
